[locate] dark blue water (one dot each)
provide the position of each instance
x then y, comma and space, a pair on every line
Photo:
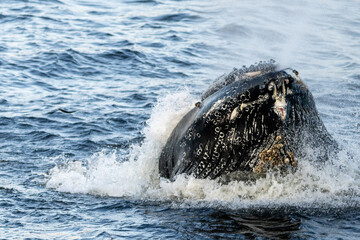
122, 74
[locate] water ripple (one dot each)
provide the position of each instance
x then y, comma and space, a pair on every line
179, 17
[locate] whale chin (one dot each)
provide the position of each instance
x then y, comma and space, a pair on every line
248, 122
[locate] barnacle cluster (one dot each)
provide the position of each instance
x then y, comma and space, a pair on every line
274, 156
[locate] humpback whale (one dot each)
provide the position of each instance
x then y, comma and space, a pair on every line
250, 121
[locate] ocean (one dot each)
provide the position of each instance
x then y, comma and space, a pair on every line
90, 91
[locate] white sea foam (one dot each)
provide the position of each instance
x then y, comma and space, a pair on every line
335, 183
105, 174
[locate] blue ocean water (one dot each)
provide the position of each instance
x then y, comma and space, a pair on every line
123, 73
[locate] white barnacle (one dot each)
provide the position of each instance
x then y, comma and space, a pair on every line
242, 106
188, 135
243, 97
231, 135
222, 163
199, 150
217, 129
216, 171
253, 74
234, 113
200, 167
237, 140
217, 114
224, 106
221, 135
216, 155
207, 171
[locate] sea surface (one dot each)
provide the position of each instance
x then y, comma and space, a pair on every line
90, 90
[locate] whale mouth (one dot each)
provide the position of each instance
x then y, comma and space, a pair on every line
280, 104
280, 110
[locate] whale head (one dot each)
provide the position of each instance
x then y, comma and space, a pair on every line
249, 121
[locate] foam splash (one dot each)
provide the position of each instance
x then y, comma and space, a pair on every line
335, 183
105, 174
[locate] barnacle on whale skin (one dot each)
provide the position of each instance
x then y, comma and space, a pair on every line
274, 157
